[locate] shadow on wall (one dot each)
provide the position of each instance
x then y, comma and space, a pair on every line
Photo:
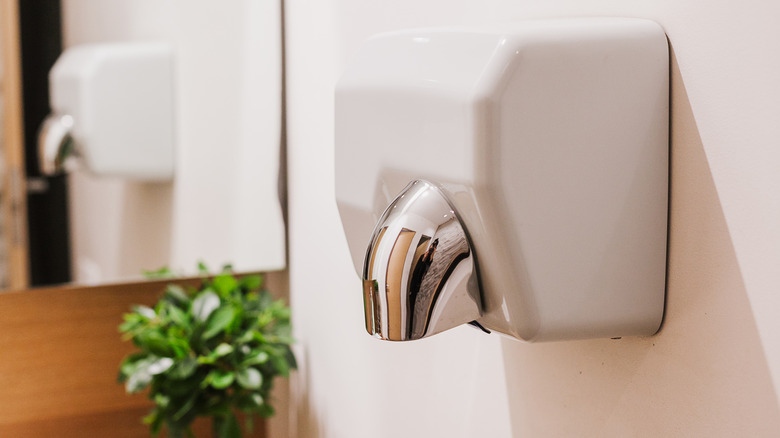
704, 373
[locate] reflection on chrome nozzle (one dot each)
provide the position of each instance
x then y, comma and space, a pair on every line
419, 275
55, 144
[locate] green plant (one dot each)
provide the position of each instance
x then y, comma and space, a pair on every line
208, 351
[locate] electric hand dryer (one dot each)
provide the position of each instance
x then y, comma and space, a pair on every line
516, 176
112, 105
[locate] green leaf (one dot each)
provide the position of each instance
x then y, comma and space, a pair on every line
259, 337
183, 369
266, 410
132, 321
245, 337
140, 372
128, 326
224, 284
164, 272
132, 317
180, 347
257, 399
181, 389
251, 282
154, 420
202, 268
149, 419
159, 366
219, 321
146, 312
176, 295
130, 364
185, 408
178, 316
153, 341
281, 339
204, 304
290, 357
281, 365
223, 349
207, 360
250, 402
228, 427
264, 299
220, 379
249, 378
238, 319
137, 381
256, 358
162, 400
218, 409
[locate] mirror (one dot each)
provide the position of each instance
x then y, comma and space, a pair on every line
223, 203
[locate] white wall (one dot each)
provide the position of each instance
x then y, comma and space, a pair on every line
714, 368
222, 205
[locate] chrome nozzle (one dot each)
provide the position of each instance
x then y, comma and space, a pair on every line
419, 275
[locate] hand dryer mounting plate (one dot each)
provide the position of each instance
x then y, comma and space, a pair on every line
549, 140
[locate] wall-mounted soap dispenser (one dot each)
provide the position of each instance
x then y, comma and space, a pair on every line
515, 176
112, 105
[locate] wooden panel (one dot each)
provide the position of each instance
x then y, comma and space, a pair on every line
13, 195
123, 423
59, 355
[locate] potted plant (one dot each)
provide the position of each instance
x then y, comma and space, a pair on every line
208, 351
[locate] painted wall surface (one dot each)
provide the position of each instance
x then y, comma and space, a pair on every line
222, 205
714, 368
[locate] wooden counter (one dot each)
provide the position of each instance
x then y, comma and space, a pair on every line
59, 355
